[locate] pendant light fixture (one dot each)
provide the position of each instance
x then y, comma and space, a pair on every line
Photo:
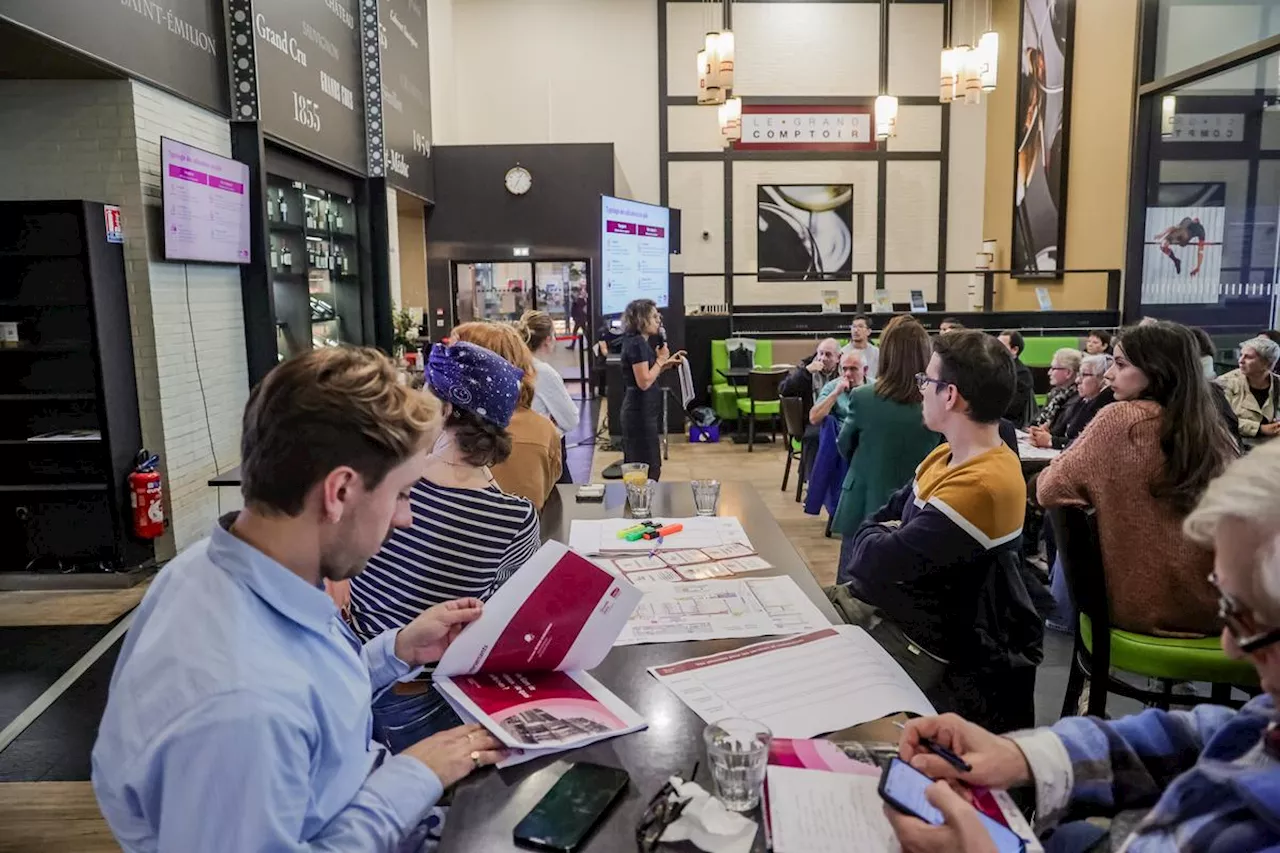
731, 121
1168, 115
886, 107
967, 71
989, 48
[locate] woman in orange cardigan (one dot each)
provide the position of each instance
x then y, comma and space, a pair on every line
1142, 464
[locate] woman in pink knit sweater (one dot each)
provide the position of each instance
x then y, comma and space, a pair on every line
1142, 464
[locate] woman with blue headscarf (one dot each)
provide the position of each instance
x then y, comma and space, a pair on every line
467, 536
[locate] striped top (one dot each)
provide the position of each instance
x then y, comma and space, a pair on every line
463, 542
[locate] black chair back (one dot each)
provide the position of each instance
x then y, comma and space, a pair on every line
1075, 530
793, 417
762, 385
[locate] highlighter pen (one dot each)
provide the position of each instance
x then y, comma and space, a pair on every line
638, 535
639, 528
664, 531
942, 752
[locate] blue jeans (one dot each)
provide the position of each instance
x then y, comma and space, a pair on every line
400, 721
1063, 617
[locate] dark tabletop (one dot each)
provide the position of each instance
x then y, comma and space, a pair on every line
229, 478
487, 806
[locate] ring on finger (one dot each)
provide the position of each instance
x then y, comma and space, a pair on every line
475, 760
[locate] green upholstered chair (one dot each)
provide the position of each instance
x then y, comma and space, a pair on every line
762, 400
1100, 648
1037, 354
724, 395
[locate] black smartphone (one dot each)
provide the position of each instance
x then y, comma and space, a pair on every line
565, 815
902, 787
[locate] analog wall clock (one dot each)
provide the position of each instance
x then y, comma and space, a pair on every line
518, 180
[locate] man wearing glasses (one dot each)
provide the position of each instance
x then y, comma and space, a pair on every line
1205, 780
927, 575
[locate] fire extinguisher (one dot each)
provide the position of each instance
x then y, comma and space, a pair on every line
146, 493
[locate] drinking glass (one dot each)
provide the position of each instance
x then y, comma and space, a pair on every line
640, 498
738, 751
635, 472
706, 495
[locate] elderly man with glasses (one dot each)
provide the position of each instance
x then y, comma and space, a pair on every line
1205, 780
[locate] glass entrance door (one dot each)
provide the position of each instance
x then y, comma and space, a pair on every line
504, 290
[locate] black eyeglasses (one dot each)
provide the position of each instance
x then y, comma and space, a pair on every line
663, 810
924, 380
1240, 622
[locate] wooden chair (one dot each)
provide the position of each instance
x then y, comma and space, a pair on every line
793, 420
1099, 647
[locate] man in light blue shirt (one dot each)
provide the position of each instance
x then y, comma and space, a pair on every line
239, 713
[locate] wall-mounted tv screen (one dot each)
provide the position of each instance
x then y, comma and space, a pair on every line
206, 205
635, 250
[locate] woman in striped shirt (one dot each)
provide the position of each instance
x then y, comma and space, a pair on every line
467, 537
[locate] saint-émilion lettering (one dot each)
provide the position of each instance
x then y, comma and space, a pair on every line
163, 17
342, 13
392, 99
319, 39
281, 41
397, 163
404, 31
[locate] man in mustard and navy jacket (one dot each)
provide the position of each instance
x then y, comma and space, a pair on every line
935, 575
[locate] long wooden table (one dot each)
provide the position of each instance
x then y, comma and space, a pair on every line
487, 806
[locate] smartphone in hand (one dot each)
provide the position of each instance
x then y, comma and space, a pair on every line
902, 787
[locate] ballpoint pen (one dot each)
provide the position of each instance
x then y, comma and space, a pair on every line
942, 752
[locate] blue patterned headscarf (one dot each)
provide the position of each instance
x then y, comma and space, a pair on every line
476, 379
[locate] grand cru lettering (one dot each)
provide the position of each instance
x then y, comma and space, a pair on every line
281, 41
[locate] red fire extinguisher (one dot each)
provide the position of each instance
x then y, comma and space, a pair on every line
146, 493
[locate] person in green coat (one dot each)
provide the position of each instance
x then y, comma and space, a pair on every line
884, 436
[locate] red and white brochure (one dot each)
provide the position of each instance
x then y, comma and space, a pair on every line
520, 670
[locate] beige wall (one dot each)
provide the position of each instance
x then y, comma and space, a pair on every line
413, 252
551, 71
1098, 166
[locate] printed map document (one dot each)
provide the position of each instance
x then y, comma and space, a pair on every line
800, 686
592, 537
520, 669
723, 609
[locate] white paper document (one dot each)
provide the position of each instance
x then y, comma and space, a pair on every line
686, 384
590, 536
800, 686
723, 609
812, 811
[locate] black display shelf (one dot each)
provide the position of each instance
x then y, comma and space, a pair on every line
66, 500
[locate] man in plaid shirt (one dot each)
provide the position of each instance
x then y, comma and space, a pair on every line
1200, 781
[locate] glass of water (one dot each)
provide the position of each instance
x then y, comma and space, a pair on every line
706, 496
640, 498
738, 751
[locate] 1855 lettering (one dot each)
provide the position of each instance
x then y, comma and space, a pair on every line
306, 112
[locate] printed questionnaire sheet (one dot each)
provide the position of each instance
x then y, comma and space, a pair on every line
600, 536
800, 686
718, 610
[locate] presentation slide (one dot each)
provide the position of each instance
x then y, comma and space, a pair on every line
635, 252
206, 205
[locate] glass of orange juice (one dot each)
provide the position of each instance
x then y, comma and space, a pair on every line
635, 473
